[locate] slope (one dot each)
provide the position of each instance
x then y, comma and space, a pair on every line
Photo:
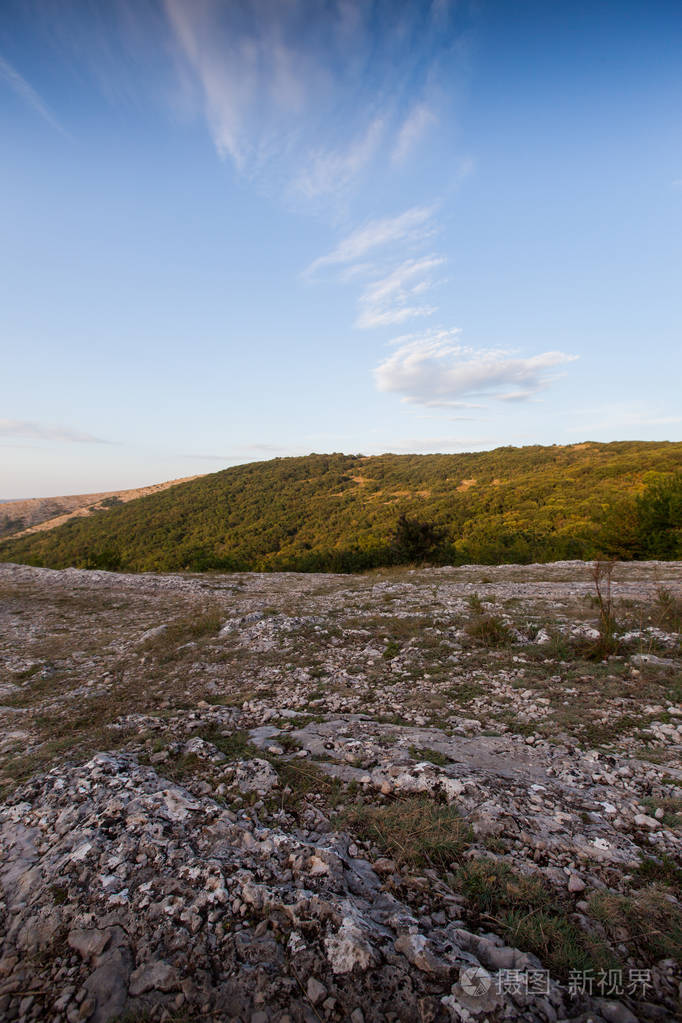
39, 513
340, 512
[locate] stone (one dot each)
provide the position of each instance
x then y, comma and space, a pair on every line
615, 1012
256, 776
156, 976
576, 884
418, 950
642, 820
108, 986
348, 948
89, 942
315, 990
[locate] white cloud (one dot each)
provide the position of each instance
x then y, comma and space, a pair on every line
414, 127
411, 225
434, 370
28, 94
387, 300
332, 171
312, 92
41, 431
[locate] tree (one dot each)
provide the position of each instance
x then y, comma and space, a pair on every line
659, 517
414, 540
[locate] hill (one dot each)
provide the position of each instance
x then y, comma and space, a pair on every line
33, 514
349, 512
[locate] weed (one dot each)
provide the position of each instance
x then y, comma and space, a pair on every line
602, 577
304, 779
465, 692
391, 650
667, 610
414, 831
661, 871
527, 913
489, 631
652, 923
59, 894
430, 755
234, 745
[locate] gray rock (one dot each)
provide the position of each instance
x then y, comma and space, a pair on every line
157, 976
315, 990
256, 776
108, 986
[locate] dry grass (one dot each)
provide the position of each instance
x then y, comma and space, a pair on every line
415, 831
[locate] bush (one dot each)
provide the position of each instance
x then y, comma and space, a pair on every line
416, 541
489, 631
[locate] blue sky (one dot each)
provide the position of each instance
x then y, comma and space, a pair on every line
241, 229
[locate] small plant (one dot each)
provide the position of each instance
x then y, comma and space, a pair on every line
415, 832
391, 650
59, 894
475, 603
668, 610
602, 577
652, 923
662, 871
430, 755
305, 779
489, 631
235, 745
528, 913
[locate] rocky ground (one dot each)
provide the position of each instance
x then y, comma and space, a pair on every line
446, 794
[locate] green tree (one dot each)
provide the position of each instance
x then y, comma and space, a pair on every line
416, 541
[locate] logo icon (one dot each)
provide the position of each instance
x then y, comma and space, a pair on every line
475, 981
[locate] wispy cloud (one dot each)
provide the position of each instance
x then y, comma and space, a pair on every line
413, 129
317, 91
434, 370
331, 172
28, 94
412, 225
389, 300
42, 431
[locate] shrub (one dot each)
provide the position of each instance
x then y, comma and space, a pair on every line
414, 540
489, 631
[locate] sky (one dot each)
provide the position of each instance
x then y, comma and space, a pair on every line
232, 230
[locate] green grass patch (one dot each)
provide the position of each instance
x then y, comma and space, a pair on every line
648, 923
415, 831
489, 631
529, 916
430, 755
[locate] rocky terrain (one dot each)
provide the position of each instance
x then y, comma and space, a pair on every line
36, 514
445, 794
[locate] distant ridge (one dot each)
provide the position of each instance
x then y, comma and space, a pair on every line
31, 514
351, 512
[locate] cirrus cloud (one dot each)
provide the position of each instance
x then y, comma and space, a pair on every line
42, 431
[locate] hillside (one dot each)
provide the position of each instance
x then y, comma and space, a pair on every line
340, 512
35, 514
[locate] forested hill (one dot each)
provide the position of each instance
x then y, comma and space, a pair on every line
347, 512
